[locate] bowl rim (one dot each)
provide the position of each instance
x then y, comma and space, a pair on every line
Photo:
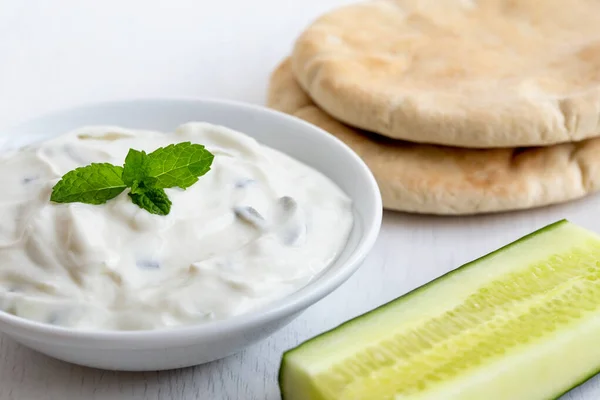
288, 305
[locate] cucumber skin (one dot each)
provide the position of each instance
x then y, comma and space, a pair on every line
581, 382
544, 229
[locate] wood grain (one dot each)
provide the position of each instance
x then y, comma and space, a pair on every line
71, 52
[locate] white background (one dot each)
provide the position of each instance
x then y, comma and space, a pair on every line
55, 54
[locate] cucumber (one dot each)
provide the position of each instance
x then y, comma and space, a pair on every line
522, 322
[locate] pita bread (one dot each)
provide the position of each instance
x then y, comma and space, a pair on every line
468, 73
444, 180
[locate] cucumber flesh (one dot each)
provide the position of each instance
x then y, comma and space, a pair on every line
522, 322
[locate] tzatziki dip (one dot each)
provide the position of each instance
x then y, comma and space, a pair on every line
256, 227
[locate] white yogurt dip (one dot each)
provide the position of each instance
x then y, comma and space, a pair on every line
258, 226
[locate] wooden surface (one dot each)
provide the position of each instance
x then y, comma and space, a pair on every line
61, 53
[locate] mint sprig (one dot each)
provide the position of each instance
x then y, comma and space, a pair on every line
147, 175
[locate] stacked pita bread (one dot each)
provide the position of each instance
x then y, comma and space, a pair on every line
457, 106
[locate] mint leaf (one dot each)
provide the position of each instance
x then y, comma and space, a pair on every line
153, 200
138, 187
135, 167
178, 165
92, 184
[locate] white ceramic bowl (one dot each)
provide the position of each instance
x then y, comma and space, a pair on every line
192, 345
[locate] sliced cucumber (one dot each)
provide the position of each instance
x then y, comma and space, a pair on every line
522, 322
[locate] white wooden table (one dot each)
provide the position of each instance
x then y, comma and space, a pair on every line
63, 52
